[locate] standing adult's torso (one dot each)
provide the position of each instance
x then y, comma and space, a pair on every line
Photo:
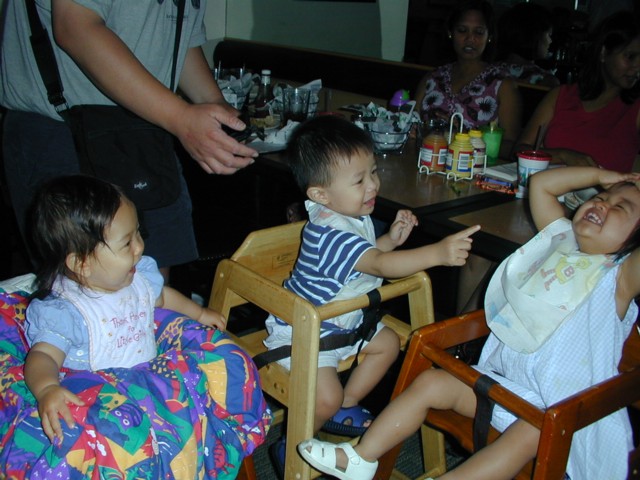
147, 27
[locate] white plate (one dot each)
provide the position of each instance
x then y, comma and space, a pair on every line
264, 147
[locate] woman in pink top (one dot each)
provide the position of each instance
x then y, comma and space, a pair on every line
597, 120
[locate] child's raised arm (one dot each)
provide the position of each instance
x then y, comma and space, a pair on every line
398, 232
548, 185
628, 284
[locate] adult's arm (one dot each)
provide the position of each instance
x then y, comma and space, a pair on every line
201, 134
542, 116
111, 65
509, 115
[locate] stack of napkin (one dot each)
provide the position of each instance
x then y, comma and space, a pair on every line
276, 140
236, 90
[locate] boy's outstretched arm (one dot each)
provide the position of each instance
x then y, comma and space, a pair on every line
450, 251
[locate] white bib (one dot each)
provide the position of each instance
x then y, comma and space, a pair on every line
120, 324
538, 286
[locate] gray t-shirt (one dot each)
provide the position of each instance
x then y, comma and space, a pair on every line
147, 27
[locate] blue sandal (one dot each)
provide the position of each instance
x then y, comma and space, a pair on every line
349, 422
277, 452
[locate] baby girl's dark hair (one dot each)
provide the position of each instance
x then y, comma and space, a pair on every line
633, 240
319, 144
69, 215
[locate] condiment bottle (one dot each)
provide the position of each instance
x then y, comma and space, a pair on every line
460, 157
264, 96
433, 152
479, 149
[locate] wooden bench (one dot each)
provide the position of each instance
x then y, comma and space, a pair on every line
363, 75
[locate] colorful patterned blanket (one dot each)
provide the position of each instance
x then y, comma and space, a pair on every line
193, 412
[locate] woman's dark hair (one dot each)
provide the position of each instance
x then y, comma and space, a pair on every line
69, 215
614, 33
520, 29
488, 14
319, 144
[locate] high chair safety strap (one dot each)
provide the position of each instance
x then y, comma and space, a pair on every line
333, 341
484, 411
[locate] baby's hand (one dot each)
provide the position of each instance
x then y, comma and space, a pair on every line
608, 178
454, 249
402, 227
211, 318
52, 404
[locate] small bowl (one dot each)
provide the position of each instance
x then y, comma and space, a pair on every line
386, 142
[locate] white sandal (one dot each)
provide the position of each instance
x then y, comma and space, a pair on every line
322, 456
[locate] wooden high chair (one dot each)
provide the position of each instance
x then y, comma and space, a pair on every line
557, 424
255, 274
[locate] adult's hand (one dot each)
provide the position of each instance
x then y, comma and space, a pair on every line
570, 158
200, 132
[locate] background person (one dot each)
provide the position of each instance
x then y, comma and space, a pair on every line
597, 120
524, 36
115, 52
482, 92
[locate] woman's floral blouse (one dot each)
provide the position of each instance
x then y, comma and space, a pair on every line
477, 101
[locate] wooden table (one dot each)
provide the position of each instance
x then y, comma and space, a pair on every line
505, 226
402, 186
443, 206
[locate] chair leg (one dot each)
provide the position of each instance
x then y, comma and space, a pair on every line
247, 469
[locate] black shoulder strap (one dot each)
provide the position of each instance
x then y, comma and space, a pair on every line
46, 60
176, 44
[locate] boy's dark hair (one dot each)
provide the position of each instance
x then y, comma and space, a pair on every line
318, 145
613, 33
69, 215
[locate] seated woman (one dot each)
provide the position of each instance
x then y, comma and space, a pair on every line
483, 93
524, 36
597, 120
480, 91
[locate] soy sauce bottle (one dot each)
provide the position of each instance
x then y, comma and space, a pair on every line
264, 96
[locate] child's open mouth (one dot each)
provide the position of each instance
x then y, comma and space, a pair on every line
592, 217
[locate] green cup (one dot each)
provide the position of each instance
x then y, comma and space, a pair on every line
492, 136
